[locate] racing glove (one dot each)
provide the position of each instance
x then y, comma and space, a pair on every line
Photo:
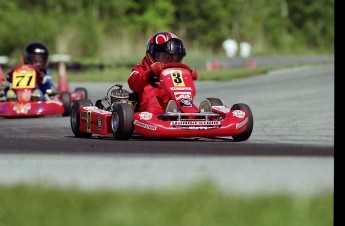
194, 74
157, 68
9, 75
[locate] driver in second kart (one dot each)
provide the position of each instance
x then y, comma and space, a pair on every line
161, 48
37, 54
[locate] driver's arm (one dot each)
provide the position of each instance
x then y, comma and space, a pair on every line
139, 78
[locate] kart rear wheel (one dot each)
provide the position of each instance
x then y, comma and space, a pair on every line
66, 101
248, 131
75, 117
122, 121
82, 90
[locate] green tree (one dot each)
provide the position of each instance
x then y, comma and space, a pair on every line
312, 22
107, 29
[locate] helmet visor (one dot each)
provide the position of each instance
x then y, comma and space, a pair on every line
39, 61
169, 58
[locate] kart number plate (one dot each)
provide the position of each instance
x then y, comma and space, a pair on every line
24, 79
177, 78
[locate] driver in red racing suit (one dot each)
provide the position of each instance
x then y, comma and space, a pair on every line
161, 48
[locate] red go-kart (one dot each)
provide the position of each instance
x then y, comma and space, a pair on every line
118, 116
24, 102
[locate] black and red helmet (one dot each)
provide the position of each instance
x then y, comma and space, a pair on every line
36, 53
165, 42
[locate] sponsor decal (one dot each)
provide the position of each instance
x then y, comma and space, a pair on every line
195, 123
221, 108
180, 88
144, 125
183, 95
99, 123
24, 95
145, 115
88, 121
239, 125
22, 108
197, 127
186, 103
54, 102
238, 113
83, 115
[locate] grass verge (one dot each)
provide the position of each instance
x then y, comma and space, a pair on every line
120, 74
202, 205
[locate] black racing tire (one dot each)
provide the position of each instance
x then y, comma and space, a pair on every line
215, 101
122, 121
67, 104
248, 131
84, 90
75, 117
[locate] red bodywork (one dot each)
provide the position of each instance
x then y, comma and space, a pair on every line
95, 120
190, 122
24, 80
31, 109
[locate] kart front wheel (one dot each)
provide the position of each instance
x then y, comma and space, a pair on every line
82, 90
215, 101
75, 117
122, 121
66, 101
250, 123
206, 104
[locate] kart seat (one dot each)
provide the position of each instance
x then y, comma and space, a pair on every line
134, 99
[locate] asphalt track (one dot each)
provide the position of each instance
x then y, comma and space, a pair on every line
291, 147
